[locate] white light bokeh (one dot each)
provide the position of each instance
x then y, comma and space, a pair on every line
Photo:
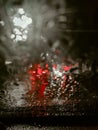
21, 24
2, 23
21, 11
57, 72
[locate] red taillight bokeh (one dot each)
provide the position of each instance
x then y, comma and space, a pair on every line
42, 77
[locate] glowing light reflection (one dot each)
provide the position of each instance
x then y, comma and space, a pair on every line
55, 85
21, 11
21, 23
2, 23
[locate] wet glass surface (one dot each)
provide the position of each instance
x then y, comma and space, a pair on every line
50, 128
48, 62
